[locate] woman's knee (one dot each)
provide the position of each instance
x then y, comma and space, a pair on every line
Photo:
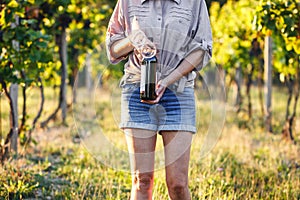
177, 186
143, 181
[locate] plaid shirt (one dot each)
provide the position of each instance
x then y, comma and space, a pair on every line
177, 27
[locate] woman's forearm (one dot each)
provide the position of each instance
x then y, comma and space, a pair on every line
121, 48
185, 67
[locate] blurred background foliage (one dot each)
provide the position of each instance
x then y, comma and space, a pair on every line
41, 41
33, 43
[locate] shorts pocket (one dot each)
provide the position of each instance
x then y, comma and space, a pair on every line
129, 88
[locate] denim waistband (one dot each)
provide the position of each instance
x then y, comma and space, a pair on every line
178, 86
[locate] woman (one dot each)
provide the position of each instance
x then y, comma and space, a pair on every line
180, 30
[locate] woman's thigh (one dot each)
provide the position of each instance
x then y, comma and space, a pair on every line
177, 155
141, 147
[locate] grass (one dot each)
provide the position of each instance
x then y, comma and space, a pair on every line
245, 163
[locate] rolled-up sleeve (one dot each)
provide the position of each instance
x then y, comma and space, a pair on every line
115, 31
202, 35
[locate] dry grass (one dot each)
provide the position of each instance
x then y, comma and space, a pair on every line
244, 163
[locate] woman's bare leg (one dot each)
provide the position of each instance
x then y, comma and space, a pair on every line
177, 156
141, 147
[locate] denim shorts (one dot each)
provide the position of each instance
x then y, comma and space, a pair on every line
174, 112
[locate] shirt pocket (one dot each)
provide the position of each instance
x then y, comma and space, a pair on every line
179, 20
141, 13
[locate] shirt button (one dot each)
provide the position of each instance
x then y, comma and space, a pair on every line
159, 19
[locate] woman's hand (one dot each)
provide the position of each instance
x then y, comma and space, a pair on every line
160, 89
185, 67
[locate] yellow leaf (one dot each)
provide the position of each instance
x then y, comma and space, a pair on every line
13, 4
47, 22
282, 77
80, 25
296, 46
29, 43
20, 14
71, 8
2, 142
289, 47
269, 32
60, 8
92, 25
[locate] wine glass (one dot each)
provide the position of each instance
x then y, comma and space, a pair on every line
148, 49
144, 46
138, 38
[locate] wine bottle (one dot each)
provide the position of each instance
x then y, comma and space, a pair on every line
148, 79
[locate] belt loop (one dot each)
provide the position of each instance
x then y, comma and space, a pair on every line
181, 84
123, 80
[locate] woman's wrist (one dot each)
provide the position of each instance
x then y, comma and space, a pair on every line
164, 82
171, 78
185, 67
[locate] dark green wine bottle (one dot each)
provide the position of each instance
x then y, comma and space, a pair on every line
148, 79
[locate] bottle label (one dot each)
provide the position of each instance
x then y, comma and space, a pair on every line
143, 78
148, 79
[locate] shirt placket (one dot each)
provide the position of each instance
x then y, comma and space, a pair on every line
158, 34
158, 18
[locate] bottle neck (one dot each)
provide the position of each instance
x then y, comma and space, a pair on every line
152, 59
